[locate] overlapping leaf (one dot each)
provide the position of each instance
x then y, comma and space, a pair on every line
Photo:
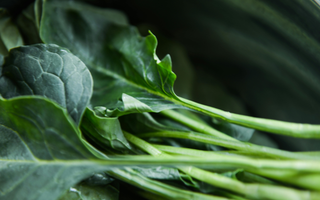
9, 34
105, 131
120, 60
28, 23
125, 106
37, 141
50, 71
42, 155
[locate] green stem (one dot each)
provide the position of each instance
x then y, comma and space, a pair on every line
195, 125
268, 125
161, 189
245, 162
311, 153
231, 195
242, 146
284, 171
195, 152
257, 191
141, 144
309, 181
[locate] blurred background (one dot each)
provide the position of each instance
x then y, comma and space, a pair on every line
254, 57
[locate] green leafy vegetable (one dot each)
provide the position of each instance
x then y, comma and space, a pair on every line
35, 150
83, 88
47, 153
131, 65
50, 71
249, 190
121, 63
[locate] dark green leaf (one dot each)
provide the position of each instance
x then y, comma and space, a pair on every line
120, 60
50, 71
1, 61
38, 13
27, 24
263, 139
273, 46
236, 131
9, 34
37, 141
105, 131
181, 64
41, 153
124, 62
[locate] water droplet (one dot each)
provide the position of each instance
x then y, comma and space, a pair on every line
75, 191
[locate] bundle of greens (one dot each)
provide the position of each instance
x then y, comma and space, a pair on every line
88, 111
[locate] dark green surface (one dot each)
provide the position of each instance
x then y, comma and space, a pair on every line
105, 131
122, 62
35, 148
50, 71
9, 34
